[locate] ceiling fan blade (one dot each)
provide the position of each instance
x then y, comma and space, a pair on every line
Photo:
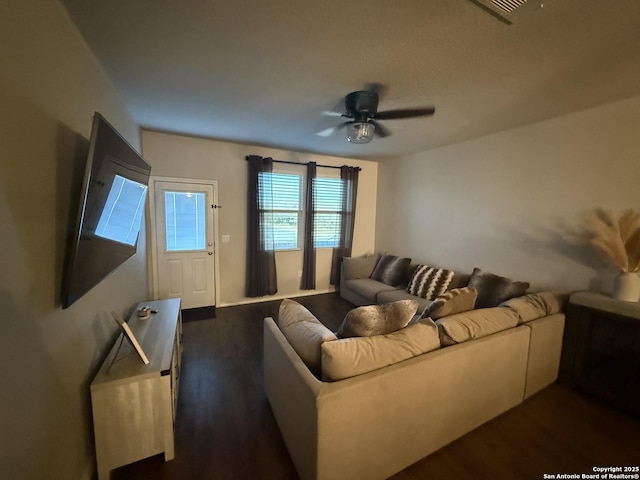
378, 88
380, 131
405, 113
329, 131
326, 132
329, 113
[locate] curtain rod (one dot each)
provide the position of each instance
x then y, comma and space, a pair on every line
303, 164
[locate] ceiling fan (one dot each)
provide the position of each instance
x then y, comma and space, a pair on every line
362, 108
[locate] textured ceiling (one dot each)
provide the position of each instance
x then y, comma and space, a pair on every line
262, 72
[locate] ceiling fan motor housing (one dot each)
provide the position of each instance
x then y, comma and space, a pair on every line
361, 102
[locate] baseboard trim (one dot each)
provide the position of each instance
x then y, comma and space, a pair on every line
269, 298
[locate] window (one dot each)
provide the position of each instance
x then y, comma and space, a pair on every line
327, 218
185, 221
280, 203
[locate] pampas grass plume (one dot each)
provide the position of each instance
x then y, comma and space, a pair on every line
616, 237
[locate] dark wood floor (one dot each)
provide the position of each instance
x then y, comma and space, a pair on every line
225, 428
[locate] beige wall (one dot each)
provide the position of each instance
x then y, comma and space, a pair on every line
503, 202
50, 85
198, 158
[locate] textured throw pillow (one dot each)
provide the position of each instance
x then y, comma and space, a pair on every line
377, 319
359, 267
428, 282
535, 305
476, 324
354, 356
391, 270
454, 301
304, 332
493, 289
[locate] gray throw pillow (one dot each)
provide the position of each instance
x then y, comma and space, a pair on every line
494, 289
391, 270
377, 319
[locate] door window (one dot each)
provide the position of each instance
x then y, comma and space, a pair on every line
185, 228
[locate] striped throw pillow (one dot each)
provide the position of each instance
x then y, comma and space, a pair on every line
428, 282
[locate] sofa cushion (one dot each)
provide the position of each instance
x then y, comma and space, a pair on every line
354, 356
377, 319
454, 301
428, 282
359, 267
368, 288
304, 332
494, 289
535, 305
473, 324
389, 296
391, 270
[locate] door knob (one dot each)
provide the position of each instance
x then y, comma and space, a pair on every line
210, 253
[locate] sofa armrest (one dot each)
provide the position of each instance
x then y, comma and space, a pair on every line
545, 349
291, 390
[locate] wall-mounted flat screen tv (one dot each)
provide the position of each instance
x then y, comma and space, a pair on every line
110, 213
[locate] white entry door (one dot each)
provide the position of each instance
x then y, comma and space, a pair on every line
184, 242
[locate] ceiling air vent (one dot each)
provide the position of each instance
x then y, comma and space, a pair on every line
507, 6
504, 10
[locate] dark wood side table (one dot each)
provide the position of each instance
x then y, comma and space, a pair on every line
601, 350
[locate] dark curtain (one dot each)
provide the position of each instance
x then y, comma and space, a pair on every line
308, 280
261, 261
349, 176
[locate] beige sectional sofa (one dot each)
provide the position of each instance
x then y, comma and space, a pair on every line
372, 425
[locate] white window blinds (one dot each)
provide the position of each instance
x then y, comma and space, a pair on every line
328, 205
280, 204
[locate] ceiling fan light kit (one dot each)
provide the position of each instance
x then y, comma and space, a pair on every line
360, 132
362, 110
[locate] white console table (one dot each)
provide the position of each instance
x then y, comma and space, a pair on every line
134, 404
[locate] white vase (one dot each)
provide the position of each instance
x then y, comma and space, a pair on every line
626, 286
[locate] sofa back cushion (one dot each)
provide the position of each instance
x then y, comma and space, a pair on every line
391, 270
454, 301
428, 282
535, 305
389, 296
462, 327
494, 289
304, 332
354, 356
377, 319
359, 267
